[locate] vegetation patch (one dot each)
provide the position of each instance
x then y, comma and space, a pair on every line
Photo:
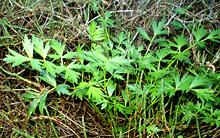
159, 80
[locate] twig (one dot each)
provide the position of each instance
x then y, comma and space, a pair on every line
21, 78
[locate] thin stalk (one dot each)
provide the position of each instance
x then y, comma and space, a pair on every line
197, 125
51, 123
84, 127
148, 48
21, 78
141, 76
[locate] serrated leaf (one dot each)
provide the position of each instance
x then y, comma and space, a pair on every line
30, 95
201, 44
81, 90
180, 41
33, 107
176, 24
181, 56
199, 33
180, 11
152, 129
94, 93
71, 76
143, 34
58, 47
198, 81
158, 28
204, 94
16, 59
50, 68
214, 35
162, 53
28, 46
70, 55
111, 86
53, 56
95, 33
121, 37
42, 102
185, 82
39, 47
74, 65
49, 79
36, 64
125, 96
104, 105
63, 89
168, 87
117, 76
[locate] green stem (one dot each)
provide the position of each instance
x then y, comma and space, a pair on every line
52, 125
148, 48
197, 124
21, 78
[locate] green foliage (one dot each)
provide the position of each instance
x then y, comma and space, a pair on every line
125, 80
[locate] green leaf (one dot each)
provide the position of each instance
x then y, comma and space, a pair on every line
201, 44
39, 100
95, 33
33, 107
176, 24
125, 96
180, 41
71, 76
121, 37
143, 34
63, 89
50, 67
204, 94
28, 46
181, 56
158, 28
96, 57
58, 47
188, 111
54, 56
199, 81
30, 95
74, 65
118, 76
104, 105
111, 86
15, 58
36, 64
106, 20
42, 102
95, 93
159, 73
70, 55
162, 53
152, 129
185, 82
199, 33
214, 35
180, 11
49, 79
168, 87
147, 62
81, 90
39, 47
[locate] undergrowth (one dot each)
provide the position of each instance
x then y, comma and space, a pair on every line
152, 83
153, 90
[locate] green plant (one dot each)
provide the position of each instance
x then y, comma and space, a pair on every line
146, 86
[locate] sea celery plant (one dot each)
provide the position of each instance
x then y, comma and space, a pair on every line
154, 88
